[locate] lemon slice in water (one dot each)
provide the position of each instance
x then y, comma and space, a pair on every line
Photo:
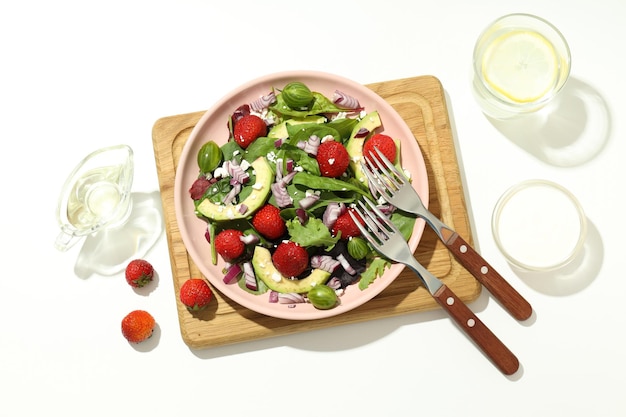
521, 65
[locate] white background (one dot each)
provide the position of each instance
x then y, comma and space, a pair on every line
77, 76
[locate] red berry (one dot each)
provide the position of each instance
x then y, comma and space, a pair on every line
346, 225
290, 259
137, 326
332, 158
139, 273
267, 222
248, 129
229, 245
384, 143
195, 294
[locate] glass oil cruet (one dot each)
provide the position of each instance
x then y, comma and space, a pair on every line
96, 195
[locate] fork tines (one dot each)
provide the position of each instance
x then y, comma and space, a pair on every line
380, 226
383, 176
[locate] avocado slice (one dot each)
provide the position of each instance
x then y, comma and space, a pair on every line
267, 272
371, 121
254, 201
280, 130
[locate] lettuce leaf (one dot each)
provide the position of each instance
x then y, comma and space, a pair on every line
312, 233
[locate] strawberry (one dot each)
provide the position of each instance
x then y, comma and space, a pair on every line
137, 326
229, 245
267, 221
195, 294
139, 273
248, 129
332, 158
384, 143
290, 259
346, 225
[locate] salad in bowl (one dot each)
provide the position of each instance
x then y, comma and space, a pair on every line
265, 186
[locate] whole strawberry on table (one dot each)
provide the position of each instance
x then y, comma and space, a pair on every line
276, 195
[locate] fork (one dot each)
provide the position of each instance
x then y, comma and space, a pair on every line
396, 189
387, 240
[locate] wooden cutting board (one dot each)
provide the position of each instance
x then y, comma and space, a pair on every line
420, 101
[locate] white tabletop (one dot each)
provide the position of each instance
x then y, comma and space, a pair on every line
77, 76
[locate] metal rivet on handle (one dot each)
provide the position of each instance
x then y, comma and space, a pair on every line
450, 301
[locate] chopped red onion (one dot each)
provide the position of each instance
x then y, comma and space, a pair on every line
311, 145
241, 111
332, 212
232, 194
279, 142
250, 239
207, 235
248, 272
346, 265
325, 262
283, 199
231, 273
273, 297
309, 200
236, 172
291, 298
363, 132
263, 102
303, 216
287, 178
346, 101
290, 165
334, 283
243, 209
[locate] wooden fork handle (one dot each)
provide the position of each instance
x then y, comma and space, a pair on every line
509, 298
488, 342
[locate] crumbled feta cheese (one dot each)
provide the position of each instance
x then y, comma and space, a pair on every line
221, 172
244, 165
257, 186
277, 277
331, 161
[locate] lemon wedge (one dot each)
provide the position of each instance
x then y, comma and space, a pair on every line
521, 66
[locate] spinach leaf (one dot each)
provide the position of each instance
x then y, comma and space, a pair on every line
343, 126
302, 132
232, 150
260, 147
324, 183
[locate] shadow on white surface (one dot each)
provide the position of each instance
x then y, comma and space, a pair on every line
569, 132
107, 252
573, 277
149, 344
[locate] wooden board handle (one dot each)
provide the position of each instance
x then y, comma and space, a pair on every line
499, 354
500, 288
